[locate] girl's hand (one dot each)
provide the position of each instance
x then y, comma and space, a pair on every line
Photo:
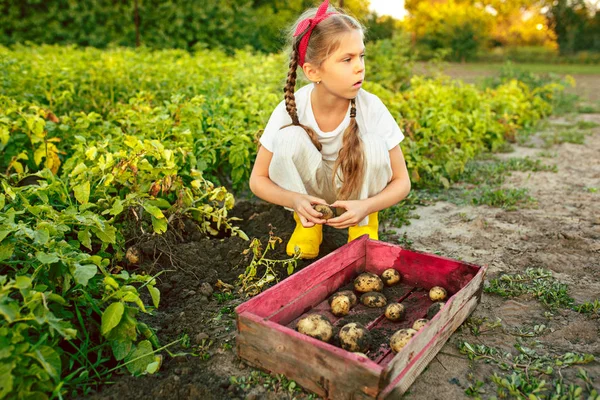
356, 210
309, 217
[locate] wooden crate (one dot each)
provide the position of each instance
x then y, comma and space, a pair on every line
267, 339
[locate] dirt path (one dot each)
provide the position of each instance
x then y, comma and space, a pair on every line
561, 233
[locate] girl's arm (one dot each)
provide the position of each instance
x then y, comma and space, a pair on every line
262, 186
396, 190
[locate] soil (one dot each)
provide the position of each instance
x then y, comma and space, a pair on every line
560, 232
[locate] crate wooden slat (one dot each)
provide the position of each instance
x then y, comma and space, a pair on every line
267, 339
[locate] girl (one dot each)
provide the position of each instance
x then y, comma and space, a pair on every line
330, 142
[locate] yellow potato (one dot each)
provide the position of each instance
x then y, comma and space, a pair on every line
354, 337
368, 282
325, 210
340, 306
348, 293
390, 277
401, 338
316, 326
419, 324
394, 311
437, 293
373, 299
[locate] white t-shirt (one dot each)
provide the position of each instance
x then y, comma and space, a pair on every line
372, 116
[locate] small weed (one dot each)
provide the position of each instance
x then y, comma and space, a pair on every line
493, 173
226, 310
203, 349
393, 237
525, 331
276, 384
591, 189
574, 136
589, 307
505, 147
524, 371
475, 389
479, 326
589, 108
223, 297
399, 215
507, 199
226, 346
548, 154
541, 285
587, 125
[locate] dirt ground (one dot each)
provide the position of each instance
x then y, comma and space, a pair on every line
559, 232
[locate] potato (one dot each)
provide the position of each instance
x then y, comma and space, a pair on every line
316, 326
394, 311
437, 293
420, 323
340, 306
390, 277
133, 255
434, 309
401, 338
325, 210
348, 293
354, 337
368, 282
373, 299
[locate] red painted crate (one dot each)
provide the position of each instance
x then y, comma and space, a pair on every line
267, 339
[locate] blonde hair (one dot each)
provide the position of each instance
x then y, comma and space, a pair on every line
324, 40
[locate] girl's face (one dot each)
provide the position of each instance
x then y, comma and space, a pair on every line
343, 72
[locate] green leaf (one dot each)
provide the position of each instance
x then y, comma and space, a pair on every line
2, 201
160, 203
82, 192
159, 225
46, 258
155, 294
81, 167
117, 207
6, 378
83, 273
85, 237
153, 366
111, 317
6, 251
41, 236
49, 359
154, 211
139, 359
107, 235
22, 282
3, 234
121, 348
10, 311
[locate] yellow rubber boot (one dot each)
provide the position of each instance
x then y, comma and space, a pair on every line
307, 239
371, 229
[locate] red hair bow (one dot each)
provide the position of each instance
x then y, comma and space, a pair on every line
308, 25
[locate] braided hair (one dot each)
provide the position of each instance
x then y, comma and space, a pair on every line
325, 38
